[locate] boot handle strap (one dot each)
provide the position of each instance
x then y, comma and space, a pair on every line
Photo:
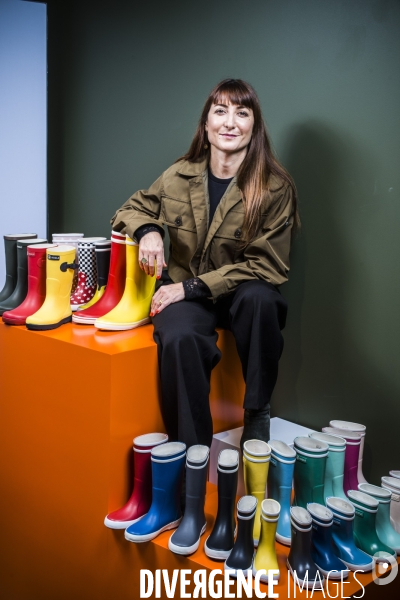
64, 266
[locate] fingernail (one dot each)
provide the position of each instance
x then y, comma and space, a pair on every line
158, 276
152, 314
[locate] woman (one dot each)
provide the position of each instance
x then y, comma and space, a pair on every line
230, 209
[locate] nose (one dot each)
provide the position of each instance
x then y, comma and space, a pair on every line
229, 120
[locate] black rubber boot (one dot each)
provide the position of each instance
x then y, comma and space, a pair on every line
103, 254
220, 543
256, 425
21, 289
300, 562
10, 247
241, 557
186, 538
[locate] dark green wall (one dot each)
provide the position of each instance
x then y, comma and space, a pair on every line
126, 84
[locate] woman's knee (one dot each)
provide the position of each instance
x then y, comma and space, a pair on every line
261, 297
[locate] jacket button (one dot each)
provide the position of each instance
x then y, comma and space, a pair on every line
178, 221
238, 233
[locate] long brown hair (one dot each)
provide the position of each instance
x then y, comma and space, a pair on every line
259, 163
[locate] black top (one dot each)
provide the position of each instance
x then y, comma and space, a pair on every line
216, 189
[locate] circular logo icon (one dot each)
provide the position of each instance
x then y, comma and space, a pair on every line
384, 563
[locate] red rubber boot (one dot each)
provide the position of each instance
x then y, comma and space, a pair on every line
139, 502
36, 286
115, 285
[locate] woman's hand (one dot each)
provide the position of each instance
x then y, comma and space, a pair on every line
166, 295
151, 248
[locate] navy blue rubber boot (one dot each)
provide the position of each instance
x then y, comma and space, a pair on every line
167, 467
321, 543
343, 537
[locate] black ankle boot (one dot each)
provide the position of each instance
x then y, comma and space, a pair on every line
256, 425
241, 557
220, 543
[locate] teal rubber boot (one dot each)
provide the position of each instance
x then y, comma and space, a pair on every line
10, 248
384, 529
334, 472
21, 289
365, 536
309, 471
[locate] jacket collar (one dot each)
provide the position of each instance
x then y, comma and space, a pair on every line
190, 169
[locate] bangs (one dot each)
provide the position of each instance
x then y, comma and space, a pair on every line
233, 92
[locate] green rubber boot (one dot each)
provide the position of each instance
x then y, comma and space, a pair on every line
309, 471
10, 247
384, 529
365, 535
334, 472
21, 289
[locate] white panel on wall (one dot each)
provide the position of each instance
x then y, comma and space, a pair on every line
23, 128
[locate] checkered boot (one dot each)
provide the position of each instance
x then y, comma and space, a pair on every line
87, 273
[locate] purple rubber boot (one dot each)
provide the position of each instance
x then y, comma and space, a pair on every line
353, 443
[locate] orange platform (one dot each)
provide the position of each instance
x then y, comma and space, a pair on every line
72, 399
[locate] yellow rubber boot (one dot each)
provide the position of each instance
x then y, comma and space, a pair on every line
56, 308
133, 309
265, 557
256, 457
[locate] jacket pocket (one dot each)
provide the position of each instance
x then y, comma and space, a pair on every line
177, 214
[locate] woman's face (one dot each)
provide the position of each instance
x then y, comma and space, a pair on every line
229, 127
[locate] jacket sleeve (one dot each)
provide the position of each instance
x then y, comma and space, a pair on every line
266, 257
143, 208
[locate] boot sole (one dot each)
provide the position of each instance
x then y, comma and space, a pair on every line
186, 550
120, 524
121, 326
283, 540
47, 327
218, 554
366, 568
310, 584
264, 578
131, 537
334, 574
82, 320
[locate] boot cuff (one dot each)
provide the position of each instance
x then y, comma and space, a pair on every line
309, 447
320, 514
168, 452
197, 456
270, 510
352, 437
335, 442
391, 483
376, 492
341, 507
144, 443
363, 501
348, 426
228, 461
246, 507
281, 451
301, 518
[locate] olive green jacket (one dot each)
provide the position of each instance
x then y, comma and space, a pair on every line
179, 200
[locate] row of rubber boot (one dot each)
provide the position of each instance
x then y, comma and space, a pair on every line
45, 286
331, 537
125, 303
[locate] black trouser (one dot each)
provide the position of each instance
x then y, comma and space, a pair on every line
185, 334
